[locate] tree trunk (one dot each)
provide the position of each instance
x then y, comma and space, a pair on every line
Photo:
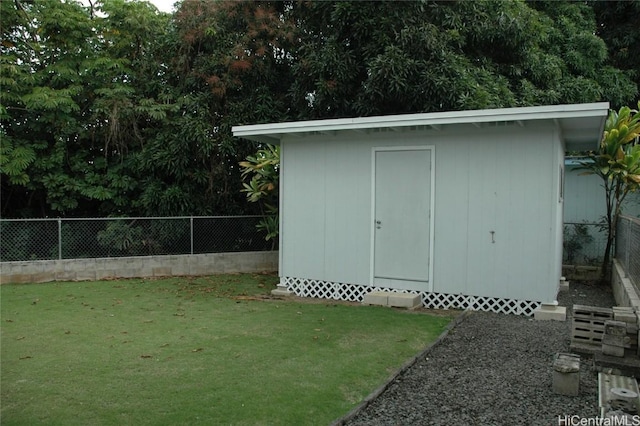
605, 269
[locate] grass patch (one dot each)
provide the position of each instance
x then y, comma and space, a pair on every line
193, 351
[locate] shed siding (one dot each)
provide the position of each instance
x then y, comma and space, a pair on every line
584, 199
487, 179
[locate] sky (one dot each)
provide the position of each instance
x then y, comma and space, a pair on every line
163, 5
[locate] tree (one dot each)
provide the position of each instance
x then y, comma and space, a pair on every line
117, 109
263, 173
78, 100
617, 163
618, 27
229, 67
369, 58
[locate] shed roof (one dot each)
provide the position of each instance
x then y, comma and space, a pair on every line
581, 124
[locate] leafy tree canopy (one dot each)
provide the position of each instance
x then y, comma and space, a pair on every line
76, 103
117, 109
367, 58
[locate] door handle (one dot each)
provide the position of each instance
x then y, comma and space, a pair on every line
378, 224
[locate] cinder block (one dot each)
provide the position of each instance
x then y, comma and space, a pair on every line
281, 290
43, 277
615, 340
613, 350
380, 298
617, 328
564, 286
566, 374
547, 312
626, 315
404, 300
65, 276
86, 276
105, 273
162, 271
16, 278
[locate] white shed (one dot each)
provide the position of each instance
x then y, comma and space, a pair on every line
465, 207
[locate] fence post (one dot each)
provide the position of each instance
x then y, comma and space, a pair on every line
191, 220
627, 261
59, 239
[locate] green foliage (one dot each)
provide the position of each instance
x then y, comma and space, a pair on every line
121, 236
263, 171
136, 237
576, 236
366, 58
76, 99
113, 108
617, 163
618, 27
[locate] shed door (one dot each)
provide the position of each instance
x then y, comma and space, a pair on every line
402, 210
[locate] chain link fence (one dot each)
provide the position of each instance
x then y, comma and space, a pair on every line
47, 239
583, 244
628, 247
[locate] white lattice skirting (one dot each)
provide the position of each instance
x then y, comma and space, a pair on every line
338, 291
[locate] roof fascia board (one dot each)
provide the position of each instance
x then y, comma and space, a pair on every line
522, 114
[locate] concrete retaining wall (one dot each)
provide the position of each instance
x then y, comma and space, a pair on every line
137, 267
624, 291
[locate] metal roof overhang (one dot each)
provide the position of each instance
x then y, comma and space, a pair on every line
581, 125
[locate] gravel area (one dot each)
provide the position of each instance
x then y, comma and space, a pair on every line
491, 369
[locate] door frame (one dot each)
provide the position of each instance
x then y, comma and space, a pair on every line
374, 151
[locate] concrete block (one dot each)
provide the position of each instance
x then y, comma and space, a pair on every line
380, 298
564, 286
16, 278
613, 350
161, 271
625, 315
404, 300
65, 276
34, 267
43, 277
566, 374
106, 273
86, 276
615, 340
616, 328
281, 290
129, 273
632, 328
550, 312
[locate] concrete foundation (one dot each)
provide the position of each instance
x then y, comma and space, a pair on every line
397, 300
550, 312
380, 298
404, 300
281, 290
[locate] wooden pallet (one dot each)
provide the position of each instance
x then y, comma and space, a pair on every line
587, 328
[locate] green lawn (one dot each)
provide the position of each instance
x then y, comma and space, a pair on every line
184, 351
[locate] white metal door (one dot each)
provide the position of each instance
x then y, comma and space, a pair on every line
402, 210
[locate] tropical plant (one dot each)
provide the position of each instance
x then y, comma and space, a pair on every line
576, 236
617, 163
262, 188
